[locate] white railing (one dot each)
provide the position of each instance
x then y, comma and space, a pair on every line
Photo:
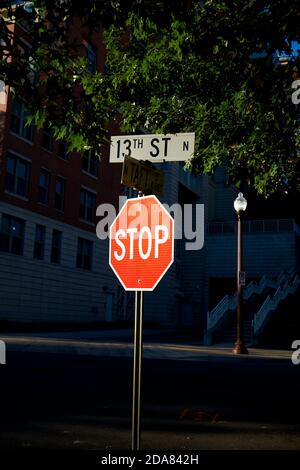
271, 303
226, 304
229, 302
254, 226
254, 288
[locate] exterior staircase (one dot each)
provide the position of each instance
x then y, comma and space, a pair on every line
272, 303
260, 301
284, 325
229, 334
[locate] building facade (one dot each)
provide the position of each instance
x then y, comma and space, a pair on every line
54, 269
51, 262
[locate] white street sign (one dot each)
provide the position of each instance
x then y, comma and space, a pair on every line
153, 147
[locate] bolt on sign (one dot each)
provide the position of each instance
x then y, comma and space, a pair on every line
152, 147
136, 174
141, 243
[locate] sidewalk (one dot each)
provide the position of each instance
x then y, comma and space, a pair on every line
118, 343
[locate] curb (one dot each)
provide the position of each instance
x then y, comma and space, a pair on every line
150, 350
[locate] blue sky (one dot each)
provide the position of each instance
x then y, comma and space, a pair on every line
295, 47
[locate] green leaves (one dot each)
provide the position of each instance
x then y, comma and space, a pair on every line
170, 68
198, 75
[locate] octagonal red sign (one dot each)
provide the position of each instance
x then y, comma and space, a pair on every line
141, 247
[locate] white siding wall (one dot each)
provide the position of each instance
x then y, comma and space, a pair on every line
264, 253
165, 305
224, 198
161, 305
38, 290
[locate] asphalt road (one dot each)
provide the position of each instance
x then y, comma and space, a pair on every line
52, 401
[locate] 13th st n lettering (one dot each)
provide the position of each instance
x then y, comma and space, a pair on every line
152, 147
135, 144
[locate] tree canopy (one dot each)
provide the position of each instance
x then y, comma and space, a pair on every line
207, 67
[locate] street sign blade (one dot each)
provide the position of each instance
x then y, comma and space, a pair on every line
153, 147
137, 174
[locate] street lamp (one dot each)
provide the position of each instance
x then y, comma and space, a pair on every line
240, 205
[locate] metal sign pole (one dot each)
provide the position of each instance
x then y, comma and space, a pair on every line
137, 368
135, 273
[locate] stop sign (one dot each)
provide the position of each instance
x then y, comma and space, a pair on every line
141, 246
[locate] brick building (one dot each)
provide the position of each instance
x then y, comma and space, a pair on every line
51, 263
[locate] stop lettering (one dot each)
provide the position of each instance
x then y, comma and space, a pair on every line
141, 243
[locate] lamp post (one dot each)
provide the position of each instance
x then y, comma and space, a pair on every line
240, 205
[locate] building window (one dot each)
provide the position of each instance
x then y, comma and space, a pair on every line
17, 175
24, 23
32, 74
90, 162
84, 254
63, 150
47, 142
39, 242
92, 58
59, 202
56, 246
19, 115
44, 183
87, 205
12, 234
